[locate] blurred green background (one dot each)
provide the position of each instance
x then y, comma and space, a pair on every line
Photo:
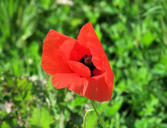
134, 36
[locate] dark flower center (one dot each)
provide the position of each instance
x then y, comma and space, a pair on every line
87, 60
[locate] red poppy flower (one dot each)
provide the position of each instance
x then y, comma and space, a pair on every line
80, 65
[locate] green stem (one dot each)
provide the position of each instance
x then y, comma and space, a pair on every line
84, 120
94, 107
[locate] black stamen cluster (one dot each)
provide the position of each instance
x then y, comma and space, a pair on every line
87, 60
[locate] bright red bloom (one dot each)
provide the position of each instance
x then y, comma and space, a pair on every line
80, 65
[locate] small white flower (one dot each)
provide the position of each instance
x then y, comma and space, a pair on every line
33, 78
8, 107
65, 2
2, 78
30, 61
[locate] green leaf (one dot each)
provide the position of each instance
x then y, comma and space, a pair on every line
91, 120
5, 125
45, 3
41, 117
147, 39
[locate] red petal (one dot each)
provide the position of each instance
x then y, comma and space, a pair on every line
79, 51
67, 47
53, 59
98, 89
80, 69
89, 39
70, 80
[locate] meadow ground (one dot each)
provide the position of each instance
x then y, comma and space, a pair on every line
134, 36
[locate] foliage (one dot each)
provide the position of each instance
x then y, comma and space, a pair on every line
133, 33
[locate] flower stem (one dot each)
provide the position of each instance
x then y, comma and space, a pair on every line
84, 119
94, 107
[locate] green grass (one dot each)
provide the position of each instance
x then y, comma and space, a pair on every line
134, 36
